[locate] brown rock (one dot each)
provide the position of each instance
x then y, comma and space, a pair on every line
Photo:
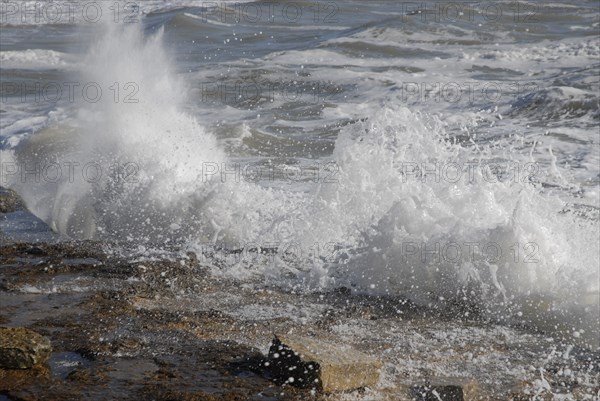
22, 348
19, 379
9, 201
306, 362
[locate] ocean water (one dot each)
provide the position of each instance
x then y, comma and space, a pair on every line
438, 151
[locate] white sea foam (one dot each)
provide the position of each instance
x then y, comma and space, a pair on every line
34, 59
560, 278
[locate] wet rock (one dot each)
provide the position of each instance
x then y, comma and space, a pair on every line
18, 380
22, 348
306, 362
437, 393
461, 390
9, 201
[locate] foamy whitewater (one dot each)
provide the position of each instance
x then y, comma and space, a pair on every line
350, 202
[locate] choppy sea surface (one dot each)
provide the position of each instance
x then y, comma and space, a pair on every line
438, 151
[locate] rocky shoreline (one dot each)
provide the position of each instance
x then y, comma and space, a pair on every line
170, 330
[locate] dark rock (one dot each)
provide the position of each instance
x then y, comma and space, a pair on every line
437, 393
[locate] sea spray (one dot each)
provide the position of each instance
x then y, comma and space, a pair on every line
504, 245
164, 147
134, 154
385, 231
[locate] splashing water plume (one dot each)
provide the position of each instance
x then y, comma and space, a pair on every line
141, 150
